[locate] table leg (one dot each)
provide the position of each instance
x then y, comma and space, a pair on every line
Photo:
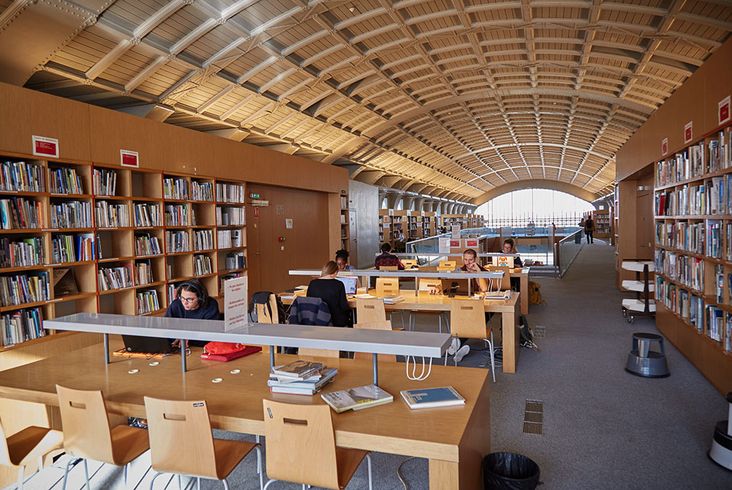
524, 293
444, 475
375, 364
271, 357
107, 360
183, 360
510, 334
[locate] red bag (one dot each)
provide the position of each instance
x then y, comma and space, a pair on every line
219, 348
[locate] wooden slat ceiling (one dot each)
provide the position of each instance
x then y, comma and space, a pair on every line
454, 97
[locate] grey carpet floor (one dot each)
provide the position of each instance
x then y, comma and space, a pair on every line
603, 428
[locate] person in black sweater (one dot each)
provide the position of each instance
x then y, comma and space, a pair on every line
332, 291
193, 302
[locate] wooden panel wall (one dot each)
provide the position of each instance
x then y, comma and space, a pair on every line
695, 101
305, 245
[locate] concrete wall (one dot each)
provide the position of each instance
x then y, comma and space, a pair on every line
364, 203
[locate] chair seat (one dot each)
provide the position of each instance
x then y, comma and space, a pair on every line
348, 461
229, 454
128, 443
32, 442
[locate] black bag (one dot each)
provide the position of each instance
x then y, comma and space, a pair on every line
527, 336
263, 298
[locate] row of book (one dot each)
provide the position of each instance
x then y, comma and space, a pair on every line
147, 302
71, 214
147, 215
20, 289
65, 180
20, 176
23, 252
713, 197
73, 248
176, 215
229, 238
175, 188
201, 191
228, 216
203, 240
685, 269
111, 215
114, 278
681, 235
19, 213
147, 244
235, 260
229, 192
105, 182
177, 241
696, 160
144, 273
202, 265
22, 325
687, 305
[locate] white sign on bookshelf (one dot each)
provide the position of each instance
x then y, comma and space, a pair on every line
688, 132
235, 303
724, 112
45, 147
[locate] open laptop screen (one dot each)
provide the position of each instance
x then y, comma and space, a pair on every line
350, 283
504, 261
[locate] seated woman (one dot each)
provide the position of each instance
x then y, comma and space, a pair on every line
341, 259
332, 291
193, 302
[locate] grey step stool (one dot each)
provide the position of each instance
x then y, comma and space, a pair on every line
644, 362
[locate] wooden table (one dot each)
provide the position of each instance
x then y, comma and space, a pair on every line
431, 303
523, 275
452, 439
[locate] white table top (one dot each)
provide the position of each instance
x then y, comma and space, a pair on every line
424, 344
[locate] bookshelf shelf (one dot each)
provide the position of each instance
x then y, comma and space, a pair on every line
693, 252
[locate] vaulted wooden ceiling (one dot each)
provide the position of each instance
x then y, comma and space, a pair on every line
447, 97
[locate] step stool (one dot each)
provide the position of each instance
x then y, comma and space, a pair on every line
644, 362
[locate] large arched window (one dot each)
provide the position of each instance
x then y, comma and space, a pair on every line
542, 206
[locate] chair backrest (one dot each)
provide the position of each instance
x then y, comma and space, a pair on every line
389, 268
467, 318
387, 286
407, 263
370, 310
381, 325
180, 437
263, 311
85, 424
4, 449
428, 283
446, 265
300, 444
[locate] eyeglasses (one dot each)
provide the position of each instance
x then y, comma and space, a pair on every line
188, 300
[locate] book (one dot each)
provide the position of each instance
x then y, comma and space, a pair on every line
432, 397
390, 300
298, 369
356, 398
308, 386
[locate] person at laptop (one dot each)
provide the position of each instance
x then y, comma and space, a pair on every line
333, 292
387, 258
509, 247
341, 259
193, 302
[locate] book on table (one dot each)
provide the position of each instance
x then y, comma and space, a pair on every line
445, 396
298, 369
356, 398
390, 300
307, 386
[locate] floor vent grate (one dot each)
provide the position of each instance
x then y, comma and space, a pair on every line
539, 331
534, 417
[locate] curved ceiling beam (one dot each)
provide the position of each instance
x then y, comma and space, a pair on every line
553, 145
581, 94
536, 184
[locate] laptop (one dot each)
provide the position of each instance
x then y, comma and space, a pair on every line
146, 345
504, 261
350, 283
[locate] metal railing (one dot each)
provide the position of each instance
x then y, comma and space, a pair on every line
566, 250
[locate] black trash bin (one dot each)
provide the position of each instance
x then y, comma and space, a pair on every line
509, 471
578, 238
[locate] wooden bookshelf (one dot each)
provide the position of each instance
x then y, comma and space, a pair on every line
345, 222
100, 238
603, 224
693, 253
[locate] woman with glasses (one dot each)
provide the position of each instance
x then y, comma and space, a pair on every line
192, 301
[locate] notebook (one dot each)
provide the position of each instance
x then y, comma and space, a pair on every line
432, 397
350, 283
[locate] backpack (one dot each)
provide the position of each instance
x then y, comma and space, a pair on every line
266, 300
535, 293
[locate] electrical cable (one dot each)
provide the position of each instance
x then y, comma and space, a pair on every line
423, 375
399, 472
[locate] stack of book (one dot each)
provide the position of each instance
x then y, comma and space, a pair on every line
300, 377
357, 398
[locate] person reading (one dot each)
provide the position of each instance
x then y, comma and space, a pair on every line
387, 258
333, 293
341, 258
509, 247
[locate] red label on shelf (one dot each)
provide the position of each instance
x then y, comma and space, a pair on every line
689, 132
454, 243
724, 110
472, 243
129, 158
664, 146
45, 147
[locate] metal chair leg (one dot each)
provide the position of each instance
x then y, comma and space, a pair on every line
261, 473
66, 473
180, 482
152, 482
125, 473
21, 474
198, 483
226, 485
259, 457
368, 467
86, 473
269, 483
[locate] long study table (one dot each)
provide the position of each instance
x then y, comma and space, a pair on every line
453, 439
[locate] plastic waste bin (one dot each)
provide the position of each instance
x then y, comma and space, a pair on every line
509, 471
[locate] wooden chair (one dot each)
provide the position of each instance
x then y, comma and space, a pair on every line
27, 446
427, 284
88, 435
181, 442
306, 352
301, 447
389, 268
387, 286
370, 310
263, 315
376, 325
467, 320
409, 263
446, 265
